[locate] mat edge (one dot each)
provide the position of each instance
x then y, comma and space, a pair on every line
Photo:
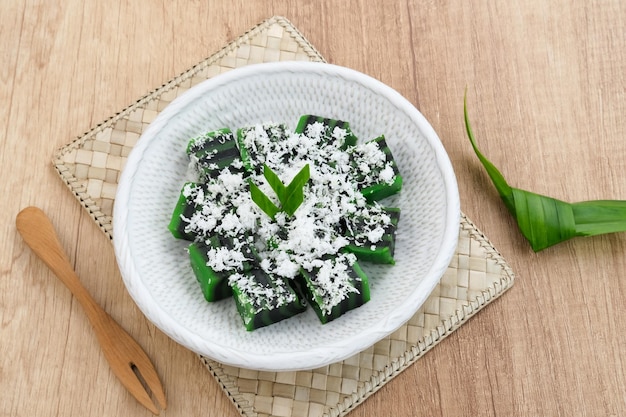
442, 331
104, 221
399, 364
410, 356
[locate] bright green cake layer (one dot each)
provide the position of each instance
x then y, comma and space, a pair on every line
329, 125
184, 210
382, 251
213, 151
263, 300
381, 189
319, 295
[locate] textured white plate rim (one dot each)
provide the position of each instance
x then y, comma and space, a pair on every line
290, 360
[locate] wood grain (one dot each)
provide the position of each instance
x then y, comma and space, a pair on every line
119, 348
547, 96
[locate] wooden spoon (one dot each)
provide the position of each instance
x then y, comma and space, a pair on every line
127, 359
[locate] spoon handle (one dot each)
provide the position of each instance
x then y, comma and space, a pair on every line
126, 357
39, 234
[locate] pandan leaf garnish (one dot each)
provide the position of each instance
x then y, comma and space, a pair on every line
545, 221
263, 201
290, 196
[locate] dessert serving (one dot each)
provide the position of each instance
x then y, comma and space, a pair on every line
276, 246
233, 208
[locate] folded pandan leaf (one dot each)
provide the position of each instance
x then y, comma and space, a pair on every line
545, 221
290, 196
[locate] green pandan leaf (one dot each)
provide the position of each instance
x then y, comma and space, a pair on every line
263, 201
545, 221
294, 192
290, 196
275, 182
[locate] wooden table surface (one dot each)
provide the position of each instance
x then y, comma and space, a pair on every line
547, 97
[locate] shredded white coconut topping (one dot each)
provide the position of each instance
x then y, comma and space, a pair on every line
313, 237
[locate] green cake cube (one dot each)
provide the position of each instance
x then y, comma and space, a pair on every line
183, 211
264, 299
214, 283
381, 181
212, 152
251, 150
327, 300
344, 134
382, 251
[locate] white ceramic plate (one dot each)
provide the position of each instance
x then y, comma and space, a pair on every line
155, 266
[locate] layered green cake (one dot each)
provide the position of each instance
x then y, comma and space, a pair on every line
279, 219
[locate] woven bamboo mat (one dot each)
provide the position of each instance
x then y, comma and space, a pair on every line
91, 166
